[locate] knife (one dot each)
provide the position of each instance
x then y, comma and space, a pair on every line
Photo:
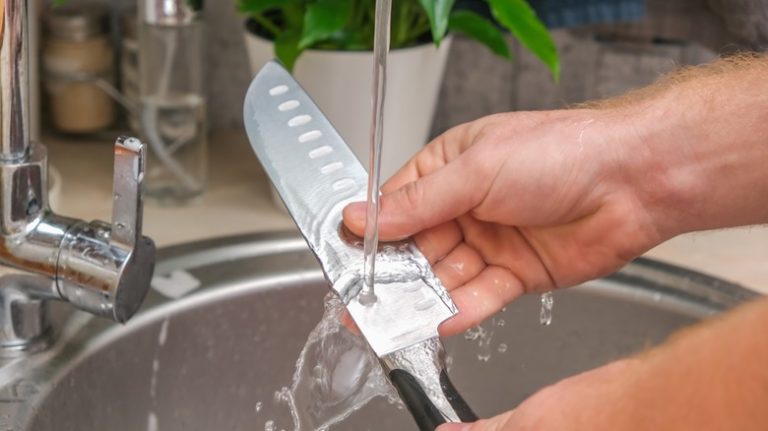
317, 175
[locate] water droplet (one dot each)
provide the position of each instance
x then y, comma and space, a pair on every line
545, 313
317, 371
258, 406
500, 322
283, 395
502, 348
269, 425
483, 357
458, 267
474, 333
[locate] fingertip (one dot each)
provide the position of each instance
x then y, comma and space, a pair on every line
354, 217
466, 318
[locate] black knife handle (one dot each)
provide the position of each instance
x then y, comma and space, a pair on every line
413, 371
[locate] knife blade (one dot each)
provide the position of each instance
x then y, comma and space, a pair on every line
316, 176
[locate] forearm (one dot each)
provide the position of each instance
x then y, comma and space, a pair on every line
712, 376
701, 157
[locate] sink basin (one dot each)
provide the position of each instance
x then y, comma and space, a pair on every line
207, 359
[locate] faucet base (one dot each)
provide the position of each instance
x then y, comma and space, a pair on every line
27, 330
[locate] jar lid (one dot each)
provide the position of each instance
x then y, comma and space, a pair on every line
169, 12
76, 23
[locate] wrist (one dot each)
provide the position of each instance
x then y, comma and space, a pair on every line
697, 152
655, 167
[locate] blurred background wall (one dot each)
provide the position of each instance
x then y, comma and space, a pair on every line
598, 60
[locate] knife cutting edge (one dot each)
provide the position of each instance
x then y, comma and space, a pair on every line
317, 175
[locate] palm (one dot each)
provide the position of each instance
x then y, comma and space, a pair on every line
509, 217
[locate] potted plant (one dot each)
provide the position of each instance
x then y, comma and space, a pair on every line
328, 46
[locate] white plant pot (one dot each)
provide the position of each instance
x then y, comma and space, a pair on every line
340, 83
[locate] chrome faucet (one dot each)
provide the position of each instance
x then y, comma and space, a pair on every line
100, 268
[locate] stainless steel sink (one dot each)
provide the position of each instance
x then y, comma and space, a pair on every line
204, 361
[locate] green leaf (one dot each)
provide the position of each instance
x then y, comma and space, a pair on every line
196, 5
521, 20
438, 12
323, 19
256, 6
480, 29
287, 48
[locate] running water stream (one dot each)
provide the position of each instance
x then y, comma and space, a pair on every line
371, 239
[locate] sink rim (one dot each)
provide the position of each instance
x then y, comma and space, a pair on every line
646, 280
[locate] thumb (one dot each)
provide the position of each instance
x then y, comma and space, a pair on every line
442, 195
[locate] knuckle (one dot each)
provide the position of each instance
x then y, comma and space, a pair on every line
413, 195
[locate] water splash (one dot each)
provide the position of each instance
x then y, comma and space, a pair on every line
545, 312
483, 337
336, 374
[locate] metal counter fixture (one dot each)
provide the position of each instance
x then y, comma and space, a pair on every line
100, 268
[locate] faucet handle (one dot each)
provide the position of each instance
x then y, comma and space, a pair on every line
106, 269
128, 205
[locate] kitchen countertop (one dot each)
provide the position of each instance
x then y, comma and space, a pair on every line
238, 201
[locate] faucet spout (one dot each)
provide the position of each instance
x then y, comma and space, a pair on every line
14, 81
104, 269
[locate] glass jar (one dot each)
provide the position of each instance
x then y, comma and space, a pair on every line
172, 98
129, 63
77, 55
